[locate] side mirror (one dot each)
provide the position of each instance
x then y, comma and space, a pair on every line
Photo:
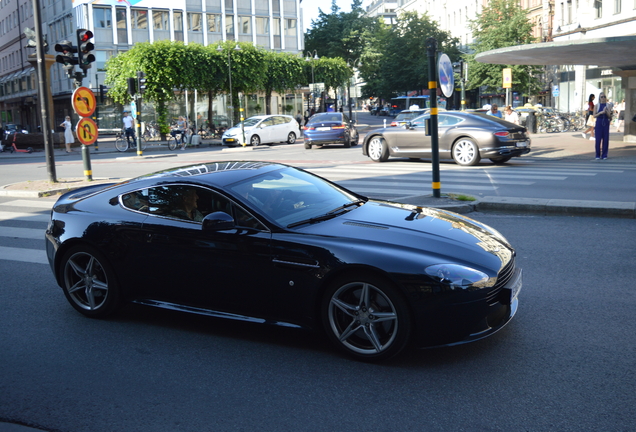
218, 221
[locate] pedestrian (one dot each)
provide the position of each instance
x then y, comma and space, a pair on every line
68, 133
620, 122
299, 119
589, 107
494, 111
129, 130
603, 114
511, 115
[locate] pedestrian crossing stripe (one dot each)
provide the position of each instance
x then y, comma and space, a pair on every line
36, 256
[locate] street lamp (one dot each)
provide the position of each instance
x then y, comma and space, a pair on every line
229, 67
308, 58
354, 65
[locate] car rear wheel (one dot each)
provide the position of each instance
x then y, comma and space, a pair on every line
347, 141
378, 150
356, 140
501, 161
255, 140
89, 282
366, 318
291, 138
307, 146
465, 152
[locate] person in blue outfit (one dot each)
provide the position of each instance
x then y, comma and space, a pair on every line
494, 111
603, 114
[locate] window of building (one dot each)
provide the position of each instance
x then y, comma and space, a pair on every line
194, 21
617, 6
245, 25
139, 18
102, 17
569, 12
229, 25
178, 21
598, 8
276, 26
120, 14
160, 20
262, 26
214, 23
290, 27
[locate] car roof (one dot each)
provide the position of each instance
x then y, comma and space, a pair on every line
212, 173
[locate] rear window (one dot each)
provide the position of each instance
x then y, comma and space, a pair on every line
326, 117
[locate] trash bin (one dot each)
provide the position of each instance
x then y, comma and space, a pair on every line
531, 122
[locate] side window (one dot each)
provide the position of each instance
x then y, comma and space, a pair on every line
268, 122
174, 201
446, 120
244, 219
137, 201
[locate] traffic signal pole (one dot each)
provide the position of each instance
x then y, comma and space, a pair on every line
431, 50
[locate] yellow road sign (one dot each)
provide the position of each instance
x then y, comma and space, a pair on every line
86, 131
84, 102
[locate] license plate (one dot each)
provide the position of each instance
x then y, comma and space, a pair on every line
323, 128
515, 284
522, 144
230, 139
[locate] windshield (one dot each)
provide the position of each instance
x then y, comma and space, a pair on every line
248, 122
289, 196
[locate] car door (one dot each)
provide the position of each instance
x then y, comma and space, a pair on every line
412, 140
219, 270
266, 130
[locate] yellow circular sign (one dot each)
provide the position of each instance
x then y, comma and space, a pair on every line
86, 131
84, 102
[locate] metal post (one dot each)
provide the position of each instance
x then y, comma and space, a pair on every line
431, 50
43, 93
463, 83
138, 114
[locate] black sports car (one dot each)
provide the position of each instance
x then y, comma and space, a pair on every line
465, 137
270, 243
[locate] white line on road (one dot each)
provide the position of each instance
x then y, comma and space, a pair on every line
26, 233
36, 256
32, 217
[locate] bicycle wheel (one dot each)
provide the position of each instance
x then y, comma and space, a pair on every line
144, 143
121, 144
172, 143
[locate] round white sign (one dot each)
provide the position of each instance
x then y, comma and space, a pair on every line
446, 75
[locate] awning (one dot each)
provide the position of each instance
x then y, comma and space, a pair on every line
617, 52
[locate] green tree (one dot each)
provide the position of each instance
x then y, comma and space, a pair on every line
395, 60
284, 72
163, 64
333, 72
502, 23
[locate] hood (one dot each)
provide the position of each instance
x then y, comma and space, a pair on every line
436, 233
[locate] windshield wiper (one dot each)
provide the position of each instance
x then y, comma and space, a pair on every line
329, 215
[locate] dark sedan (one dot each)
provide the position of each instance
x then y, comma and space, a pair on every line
267, 243
330, 128
464, 137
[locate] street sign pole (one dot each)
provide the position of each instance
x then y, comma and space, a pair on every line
84, 103
431, 50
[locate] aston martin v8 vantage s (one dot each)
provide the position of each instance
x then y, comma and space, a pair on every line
269, 243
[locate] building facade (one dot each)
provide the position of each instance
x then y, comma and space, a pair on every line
119, 25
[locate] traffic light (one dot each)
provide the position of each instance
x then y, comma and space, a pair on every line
141, 82
84, 48
67, 56
132, 86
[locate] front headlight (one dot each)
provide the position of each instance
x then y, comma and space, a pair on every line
460, 277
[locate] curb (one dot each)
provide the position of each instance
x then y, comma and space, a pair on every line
550, 207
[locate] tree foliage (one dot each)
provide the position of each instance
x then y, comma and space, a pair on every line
502, 23
395, 60
285, 71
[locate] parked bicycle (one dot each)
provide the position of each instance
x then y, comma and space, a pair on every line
123, 142
151, 132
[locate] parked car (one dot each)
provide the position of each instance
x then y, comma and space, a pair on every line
262, 129
404, 116
464, 137
268, 243
330, 128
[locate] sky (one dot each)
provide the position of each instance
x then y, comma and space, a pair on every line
310, 9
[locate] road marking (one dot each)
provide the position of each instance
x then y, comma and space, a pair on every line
26, 233
29, 203
23, 255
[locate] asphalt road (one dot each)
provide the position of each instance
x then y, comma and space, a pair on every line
565, 362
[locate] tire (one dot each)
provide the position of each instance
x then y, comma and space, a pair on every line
121, 144
291, 138
144, 143
465, 152
377, 149
307, 146
29, 150
89, 282
356, 140
172, 143
501, 161
366, 318
347, 142
255, 140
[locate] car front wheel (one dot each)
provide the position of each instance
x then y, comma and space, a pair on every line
366, 318
89, 283
291, 138
378, 150
465, 152
255, 140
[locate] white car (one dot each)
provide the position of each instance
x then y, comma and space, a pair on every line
262, 129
